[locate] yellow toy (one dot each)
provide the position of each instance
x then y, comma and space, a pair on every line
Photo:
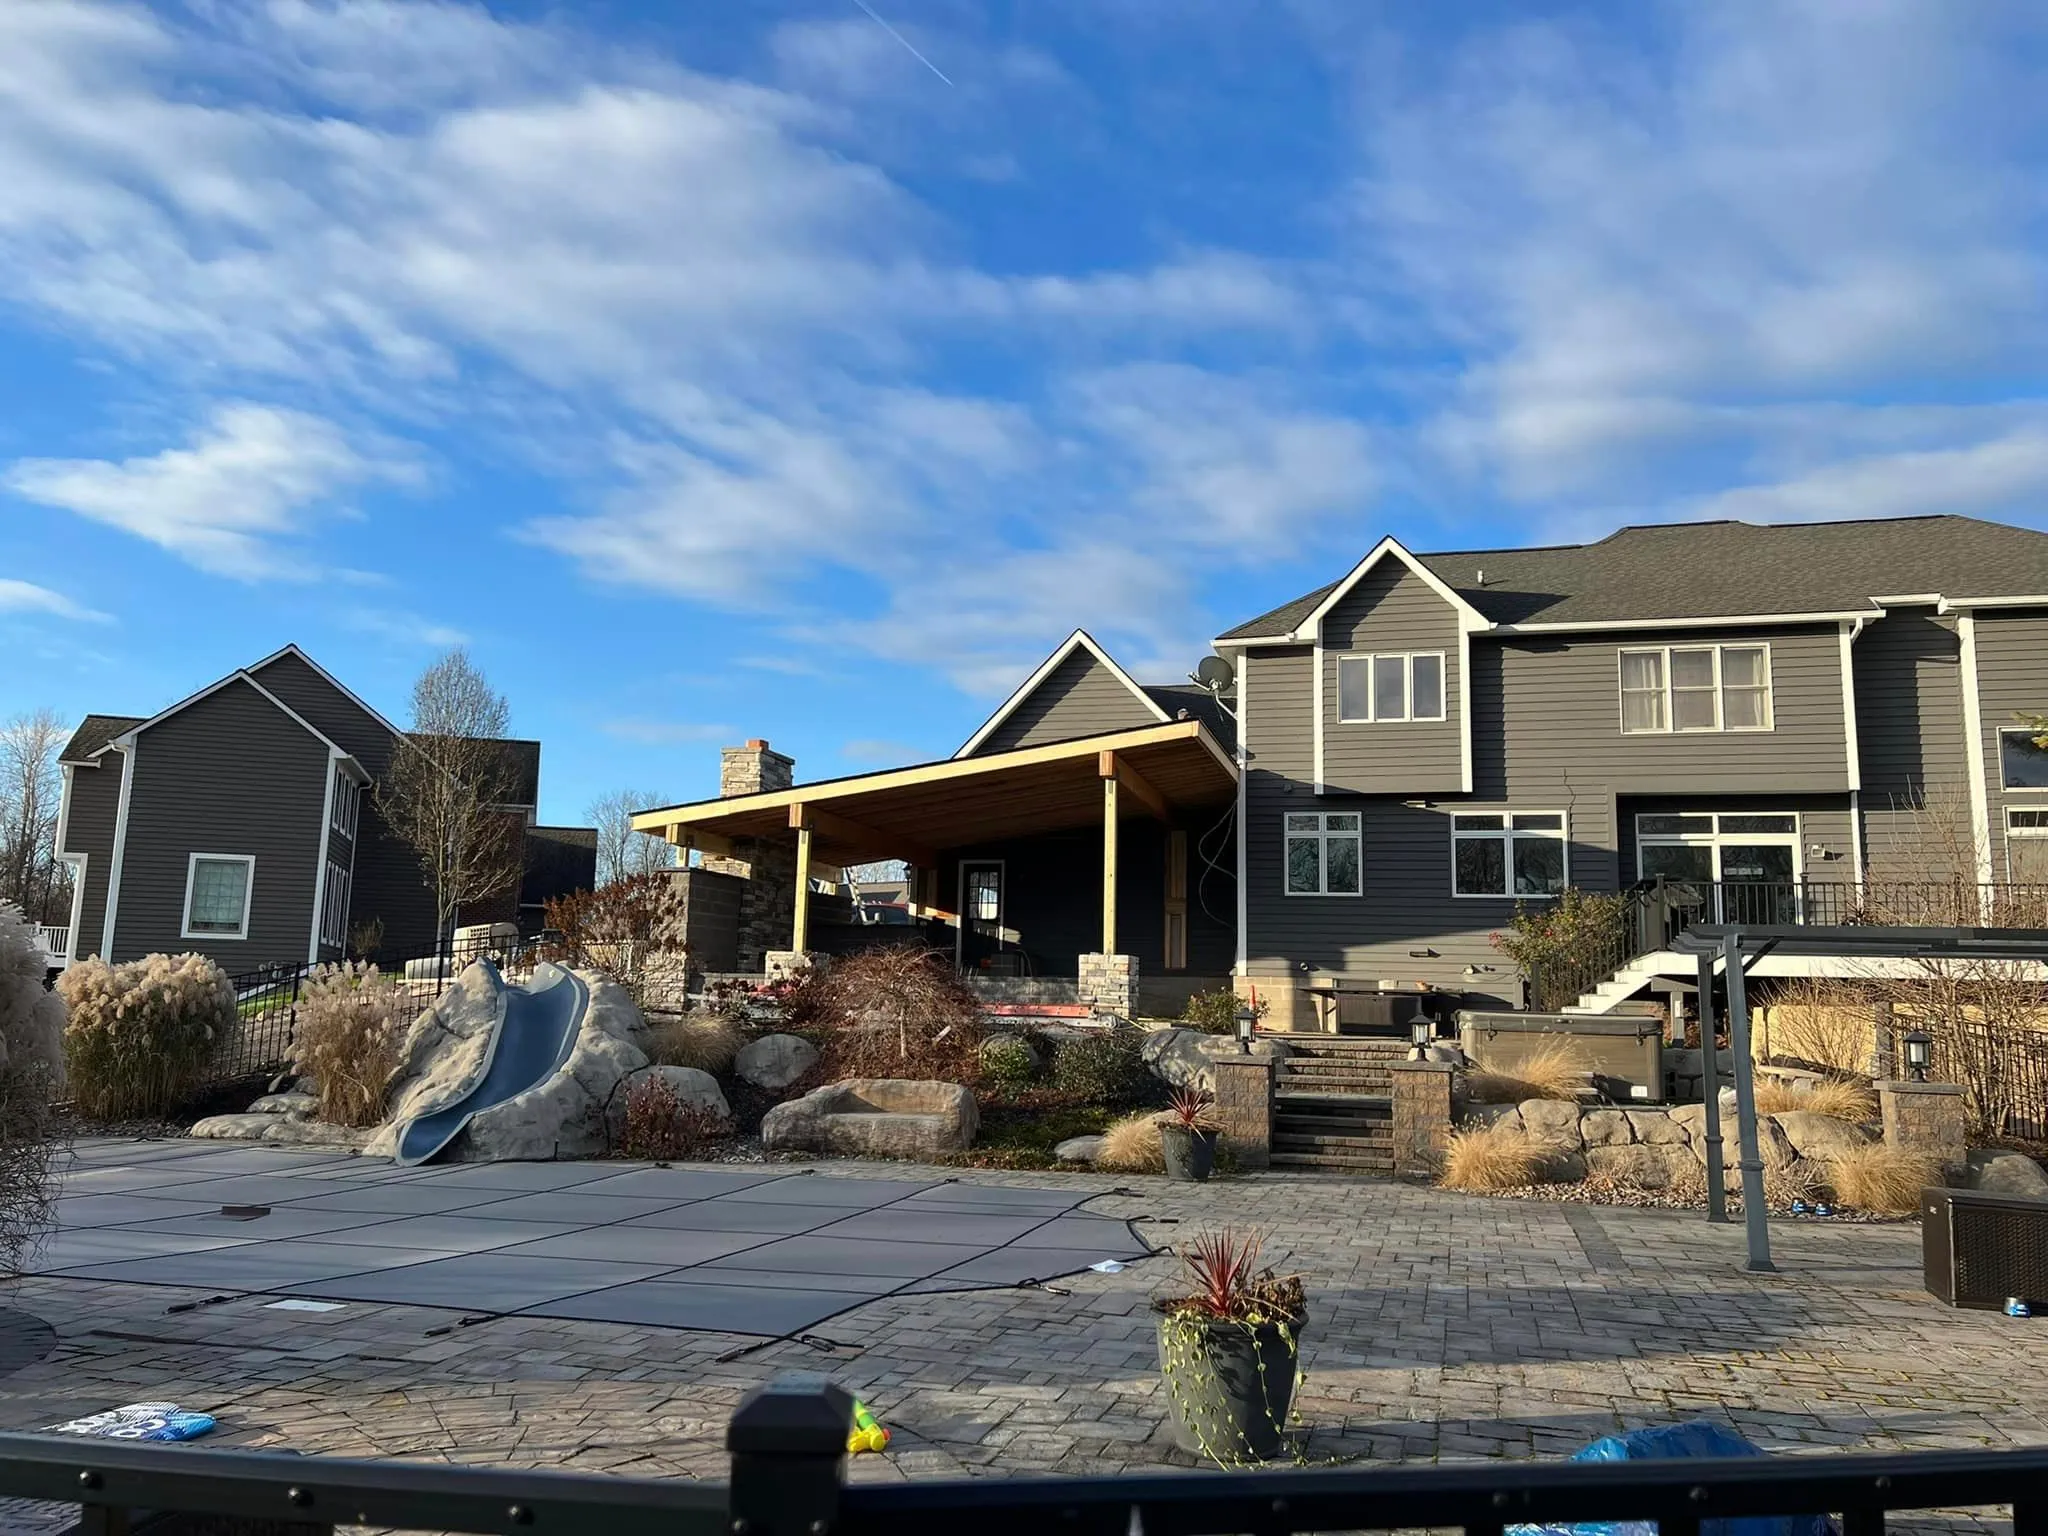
867, 1433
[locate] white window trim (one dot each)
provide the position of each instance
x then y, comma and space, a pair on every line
1670, 727
345, 806
1407, 660
2024, 810
1506, 835
334, 906
1713, 840
2015, 789
248, 895
1323, 836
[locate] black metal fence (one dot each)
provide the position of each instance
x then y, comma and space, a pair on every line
787, 1478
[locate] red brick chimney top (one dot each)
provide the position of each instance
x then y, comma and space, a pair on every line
757, 743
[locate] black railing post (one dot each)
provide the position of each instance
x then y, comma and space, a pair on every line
788, 1444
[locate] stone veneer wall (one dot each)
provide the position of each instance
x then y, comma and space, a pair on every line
767, 899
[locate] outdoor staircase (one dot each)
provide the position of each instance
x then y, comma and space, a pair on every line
1333, 1103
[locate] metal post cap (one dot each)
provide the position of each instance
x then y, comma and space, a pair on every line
799, 1413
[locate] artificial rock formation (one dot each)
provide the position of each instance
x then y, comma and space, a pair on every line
875, 1117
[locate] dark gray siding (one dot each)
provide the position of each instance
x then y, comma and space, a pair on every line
1080, 697
89, 829
343, 721
1911, 741
1392, 610
230, 774
2012, 679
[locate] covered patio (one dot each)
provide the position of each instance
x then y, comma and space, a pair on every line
1079, 858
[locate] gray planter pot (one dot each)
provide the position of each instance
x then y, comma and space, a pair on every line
1189, 1155
1229, 1386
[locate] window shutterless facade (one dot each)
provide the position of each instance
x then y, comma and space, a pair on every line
1383, 689
334, 906
218, 888
347, 800
1325, 853
2022, 764
1508, 853
1670, 688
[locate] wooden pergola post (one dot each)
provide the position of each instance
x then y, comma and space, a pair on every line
1109, 811
800, 929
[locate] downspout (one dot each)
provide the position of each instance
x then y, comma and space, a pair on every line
127, 751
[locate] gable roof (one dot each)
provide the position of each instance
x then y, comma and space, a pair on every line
239, 675
1720, 570
330, 679
92, 735
1079, 640
1200, 704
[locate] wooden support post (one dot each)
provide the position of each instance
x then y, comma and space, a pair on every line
1111, 766
1109, 865
800, 929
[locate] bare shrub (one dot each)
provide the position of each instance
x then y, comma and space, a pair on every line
1836, 1099
1490, 1157
1555, 1070
661, 1128
1131, 1145
350, 1021
893, 1012
701, 1040
1881, 1178
615, 928
1785, 1183
31, 1073
141, 1034
1820, 1022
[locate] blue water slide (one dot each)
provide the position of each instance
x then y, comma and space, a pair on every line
535, 1033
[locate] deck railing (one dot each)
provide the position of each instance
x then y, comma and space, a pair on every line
55, 942
787, 1478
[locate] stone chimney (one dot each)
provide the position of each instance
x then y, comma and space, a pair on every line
753, 769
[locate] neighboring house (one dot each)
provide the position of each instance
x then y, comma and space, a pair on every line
242, 823
1432, 739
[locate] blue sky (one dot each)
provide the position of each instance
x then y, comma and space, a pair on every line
725, 370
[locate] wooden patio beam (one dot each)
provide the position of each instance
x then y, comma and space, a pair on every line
1113, 767
843, 829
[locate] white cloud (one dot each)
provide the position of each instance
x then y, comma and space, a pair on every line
649, 732
2001, 475
405, 628
250, 480
26, 597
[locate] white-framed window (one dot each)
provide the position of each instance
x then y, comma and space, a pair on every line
2029, 822
334, 906
1667, 688
1405, 685
1508, 853
218, 888
347, 802
1325, 853
2021, 763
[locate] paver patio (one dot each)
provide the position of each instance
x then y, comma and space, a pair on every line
1442, 1326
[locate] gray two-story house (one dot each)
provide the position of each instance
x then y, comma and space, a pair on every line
241, 823
1786, 718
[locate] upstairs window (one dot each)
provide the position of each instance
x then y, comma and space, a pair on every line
1508, 853
1401, 686
342, 814
2022, 764
1696, 688
217, 890
1324, 853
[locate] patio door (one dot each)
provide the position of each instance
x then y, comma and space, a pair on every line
1745, 866
981, 912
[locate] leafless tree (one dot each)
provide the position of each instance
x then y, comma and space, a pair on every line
31, 788
622, 852
451, 786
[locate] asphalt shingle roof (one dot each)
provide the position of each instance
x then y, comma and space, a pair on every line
1199, 703
94, 732
1726, 570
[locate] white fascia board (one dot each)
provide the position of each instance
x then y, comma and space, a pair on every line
336, 683
1961, 604
1080, 639
1724, 621
128, 736
1311, 626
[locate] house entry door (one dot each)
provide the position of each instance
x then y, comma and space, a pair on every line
1744, 865
981, 912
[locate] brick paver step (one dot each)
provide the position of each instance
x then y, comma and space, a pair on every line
1334, 1162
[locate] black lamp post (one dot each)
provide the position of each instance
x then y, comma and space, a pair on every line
1918, 1053
1421, 1030
1246, 1018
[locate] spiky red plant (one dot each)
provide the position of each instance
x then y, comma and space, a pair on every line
1191, 1109
1229, 1280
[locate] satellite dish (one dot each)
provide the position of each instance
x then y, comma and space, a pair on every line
1215, 674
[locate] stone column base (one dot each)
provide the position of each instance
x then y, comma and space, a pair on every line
791, 964
1109, 984
1926, 1117
1244, 1105
1422, 1117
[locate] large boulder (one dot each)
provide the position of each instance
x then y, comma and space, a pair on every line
1606, 1128
1079, 1149
1551, 1120
2008, 1173
1820, 1138
1180, 1058
278, 1130
875, 1117
775, 1062
1481, 1116
1657, 1128
695, 1091
1657, 1167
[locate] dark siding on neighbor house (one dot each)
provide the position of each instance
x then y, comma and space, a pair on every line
1392, 609
2012, 679
1910, 739
330, 711
229, 774
89, 829
1080, 697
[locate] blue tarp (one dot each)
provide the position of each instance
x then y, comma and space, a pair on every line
1696, 1438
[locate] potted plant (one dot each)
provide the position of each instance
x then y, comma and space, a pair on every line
1187, 1135
1229, 1350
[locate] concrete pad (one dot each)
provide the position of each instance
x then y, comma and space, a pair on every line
742, 1216
680, 1183
713, 1308
565, 1205
257, 1266
844, 1256
820, 1189
666, 1246
483, 1282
